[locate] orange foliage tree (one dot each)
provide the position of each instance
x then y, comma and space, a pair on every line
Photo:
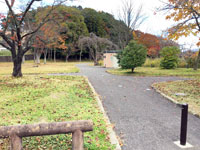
187, 15
64, 29
150, 41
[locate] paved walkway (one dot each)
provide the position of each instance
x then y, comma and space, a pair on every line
143, 118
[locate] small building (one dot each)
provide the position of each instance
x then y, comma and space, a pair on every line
110, 59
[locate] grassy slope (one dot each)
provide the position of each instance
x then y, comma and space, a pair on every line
35, 99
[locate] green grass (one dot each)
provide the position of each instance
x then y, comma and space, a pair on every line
35, 99
190, 87
31, 68
5, 53
148, 71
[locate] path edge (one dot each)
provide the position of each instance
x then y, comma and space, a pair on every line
164, 95
170, 99
112, 134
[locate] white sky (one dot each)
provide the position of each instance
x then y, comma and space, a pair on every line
154, 24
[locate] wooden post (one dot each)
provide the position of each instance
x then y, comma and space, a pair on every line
77, 140
16, 142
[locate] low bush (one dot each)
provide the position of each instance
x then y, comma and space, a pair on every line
190, 58
152, 62
169, 57
5, 53
100, 62
182, 63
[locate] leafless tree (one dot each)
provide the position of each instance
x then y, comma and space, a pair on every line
133, 17
96, 46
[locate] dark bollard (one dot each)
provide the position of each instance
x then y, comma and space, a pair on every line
184, 118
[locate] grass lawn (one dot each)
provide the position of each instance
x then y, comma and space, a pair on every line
30, 68
190, 87
148, 71
42, 98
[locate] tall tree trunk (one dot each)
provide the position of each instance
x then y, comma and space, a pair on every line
34, 55
66, 58
132, 70
45, 55
95, 60
17, 70
90, 57
80, 56
197, 61
38, 55
54, 55
23, 59
49, 54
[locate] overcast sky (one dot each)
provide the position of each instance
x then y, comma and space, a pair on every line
154, 24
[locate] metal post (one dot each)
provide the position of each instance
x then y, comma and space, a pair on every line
184, 119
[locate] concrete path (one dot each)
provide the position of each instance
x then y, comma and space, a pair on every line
143, 118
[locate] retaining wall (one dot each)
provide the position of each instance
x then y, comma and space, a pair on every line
9, 58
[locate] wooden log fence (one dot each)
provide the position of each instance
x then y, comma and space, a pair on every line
16, 133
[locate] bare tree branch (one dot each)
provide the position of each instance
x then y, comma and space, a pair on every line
44, 20
26, 11
12, 13
132, 17
6, 38
4, 45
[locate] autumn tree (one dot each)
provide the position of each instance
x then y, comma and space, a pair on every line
39, 46
72, 28
150, 41
187, 15
15, 38
64, 29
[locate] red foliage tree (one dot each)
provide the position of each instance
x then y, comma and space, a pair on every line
150, 41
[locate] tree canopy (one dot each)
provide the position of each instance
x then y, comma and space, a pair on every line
186, 14
133, 55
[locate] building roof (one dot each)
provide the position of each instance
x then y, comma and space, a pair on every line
112, 51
